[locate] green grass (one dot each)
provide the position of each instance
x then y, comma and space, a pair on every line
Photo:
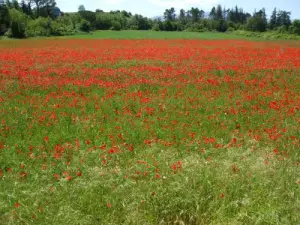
235, 184
156, 35
132, 34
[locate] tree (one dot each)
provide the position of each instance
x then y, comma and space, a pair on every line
196, 14
138, 22
81, 8
18, 23
237, 15
8, 4
295, 27
116, 25
87, 15
219, 13
49, 4
256, 23
4, 17
213, 13
169, 14
126, 14
284, 19
222, 26
182, 16
99, 11
15, 4
273, 19
85, 26
103, 21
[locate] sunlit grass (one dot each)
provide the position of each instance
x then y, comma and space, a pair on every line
149, 132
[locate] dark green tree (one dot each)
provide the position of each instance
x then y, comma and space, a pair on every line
4, 17
219, 13
8, 4
213, 13
196, 14
295, 27
48, 4
182, 16
258, 22
15, 5
87, 15
138, 22
284, 19
273, 20
18, 23
170, 14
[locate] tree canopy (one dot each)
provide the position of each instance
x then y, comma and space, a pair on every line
44, 14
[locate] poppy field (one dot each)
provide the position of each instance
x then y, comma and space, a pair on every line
149, 132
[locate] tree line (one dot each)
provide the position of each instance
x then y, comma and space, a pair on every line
30, 18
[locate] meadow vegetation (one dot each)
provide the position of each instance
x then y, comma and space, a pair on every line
149, 132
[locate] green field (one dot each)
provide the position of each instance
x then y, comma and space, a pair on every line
129, 34
135, 35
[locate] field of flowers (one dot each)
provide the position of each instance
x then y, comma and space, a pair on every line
149, 132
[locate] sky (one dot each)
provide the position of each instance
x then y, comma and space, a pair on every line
154, 8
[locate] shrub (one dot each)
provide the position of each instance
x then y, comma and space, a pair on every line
281, 29
39, 27
194, 27
84, 25
156, 27
60, 29
295, 27
222, 26
230, 29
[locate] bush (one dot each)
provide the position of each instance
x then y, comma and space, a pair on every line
156, 27
116, 25
60, 29
180, 27
230, 29
222, 26
194, 27
281, 29
295, 27
39, 27
84, 26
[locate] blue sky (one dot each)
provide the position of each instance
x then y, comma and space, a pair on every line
152, 8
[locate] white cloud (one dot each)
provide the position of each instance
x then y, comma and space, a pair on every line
185, 4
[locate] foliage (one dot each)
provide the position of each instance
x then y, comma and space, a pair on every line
256, 23
18, 24
39, 27
295, 27
116, 25
269, 35
4, 18
169, 14
84, 26
222, 26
